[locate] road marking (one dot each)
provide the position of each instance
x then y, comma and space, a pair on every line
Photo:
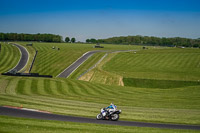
17, 45
72, 64
27, 109
18, 61
87, 58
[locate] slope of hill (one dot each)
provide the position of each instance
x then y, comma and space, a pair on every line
154, 66
9, 57
150, 103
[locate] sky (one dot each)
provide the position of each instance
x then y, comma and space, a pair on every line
99, 19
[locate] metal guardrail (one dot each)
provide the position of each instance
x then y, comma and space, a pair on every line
33, 62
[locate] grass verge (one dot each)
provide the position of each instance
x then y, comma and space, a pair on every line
23, 125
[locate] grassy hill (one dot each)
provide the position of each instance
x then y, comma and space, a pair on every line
155, 66
51, 61
9, 57
166, 93
173, 64
72, 97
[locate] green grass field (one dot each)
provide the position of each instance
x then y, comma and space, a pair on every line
74, 97
166, 64
16, 125
52, 61
166, 93
160, 84
156, 65
9, 57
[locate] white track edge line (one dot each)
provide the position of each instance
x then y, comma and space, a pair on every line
19, 59
28, 57
72, 63
79, 65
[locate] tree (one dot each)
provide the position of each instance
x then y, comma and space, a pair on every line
2, 36
67, 39
87, 40
73, 40
93, 40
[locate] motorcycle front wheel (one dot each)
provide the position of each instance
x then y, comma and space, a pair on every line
115, 117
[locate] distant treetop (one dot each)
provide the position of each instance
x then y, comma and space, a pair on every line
149, 40
30, 37
67, 39
73, 40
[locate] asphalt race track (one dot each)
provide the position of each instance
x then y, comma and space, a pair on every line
48, 116
76, 64
24, 58
83, 58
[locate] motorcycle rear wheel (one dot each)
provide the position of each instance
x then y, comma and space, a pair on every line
99, 117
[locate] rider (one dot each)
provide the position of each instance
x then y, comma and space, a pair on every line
111, 108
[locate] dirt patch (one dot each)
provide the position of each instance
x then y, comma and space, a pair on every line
3, 85
121, 83
98, 75
87, 76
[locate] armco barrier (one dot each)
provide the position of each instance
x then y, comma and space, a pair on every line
33, 61
27, 75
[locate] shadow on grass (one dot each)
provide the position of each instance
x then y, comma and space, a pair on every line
162, 84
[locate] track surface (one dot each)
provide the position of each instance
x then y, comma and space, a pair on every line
46, 116
24, 58
76, 64
83, 58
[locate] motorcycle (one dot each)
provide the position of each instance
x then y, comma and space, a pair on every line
105, 115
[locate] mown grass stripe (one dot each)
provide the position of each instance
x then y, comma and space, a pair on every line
34, 86
105, 90
173, 60
27, 87
12, 86
20, 87
78, 90
54, 88
48, 103
48, 58
162, 84
41, 87
83, 89
90, 90
67, 89
5, 50
98, 91
47, 87
164, 64
8, 59
3, 85
14, 57
60, 88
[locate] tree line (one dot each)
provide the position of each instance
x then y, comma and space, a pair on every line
72, 40
146, 40
30, 37
34, 37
